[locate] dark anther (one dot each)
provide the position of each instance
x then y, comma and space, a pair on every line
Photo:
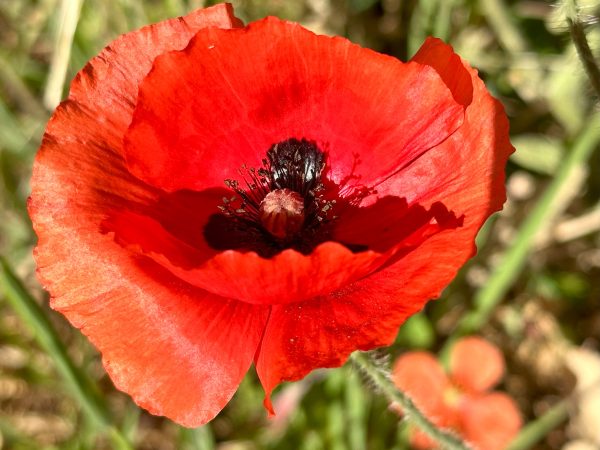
277, 206
296, 165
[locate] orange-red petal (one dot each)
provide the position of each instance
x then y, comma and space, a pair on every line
475, 364
290, 276
176, 349
466, 171
420, 375
222, 102
490, 422
466, 174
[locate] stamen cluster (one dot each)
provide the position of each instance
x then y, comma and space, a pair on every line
281, 204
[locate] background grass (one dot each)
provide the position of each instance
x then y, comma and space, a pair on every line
533, 289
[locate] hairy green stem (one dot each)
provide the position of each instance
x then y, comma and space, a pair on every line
381, 379
576, 27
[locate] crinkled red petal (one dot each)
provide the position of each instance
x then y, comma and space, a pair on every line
475, 364
322, 332
391, 222
289, 276
466, 174
491, 421
222, 102
449, 66
177, 350
466, 171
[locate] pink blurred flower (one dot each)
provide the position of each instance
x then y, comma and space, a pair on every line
461, 400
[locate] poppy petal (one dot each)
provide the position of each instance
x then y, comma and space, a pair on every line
175, 349
420, 375
475, 364
391, 222
322, 332
221, 103
491, 421
466, 173
168, 230
289, 276
449, 66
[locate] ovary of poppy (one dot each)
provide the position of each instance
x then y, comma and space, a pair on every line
154, 236
460, 401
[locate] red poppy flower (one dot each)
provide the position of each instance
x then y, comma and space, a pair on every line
212, 195
461, 402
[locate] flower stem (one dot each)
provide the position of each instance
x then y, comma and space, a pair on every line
586, 56
380, 378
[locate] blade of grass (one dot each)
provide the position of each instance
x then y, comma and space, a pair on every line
443, 20
335, 421
515, 258
357, 409
200, 438
69, 16
174, 8
535, 430
13, 84
501, 20
419, 24
12, 136
82, 387
312, 441
130, 421
134, 11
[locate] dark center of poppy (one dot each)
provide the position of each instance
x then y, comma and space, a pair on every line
280, 205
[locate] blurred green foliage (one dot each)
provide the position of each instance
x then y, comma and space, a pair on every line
543, 250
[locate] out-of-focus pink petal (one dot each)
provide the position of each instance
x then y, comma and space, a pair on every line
475, 364
491, 421
421, 376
